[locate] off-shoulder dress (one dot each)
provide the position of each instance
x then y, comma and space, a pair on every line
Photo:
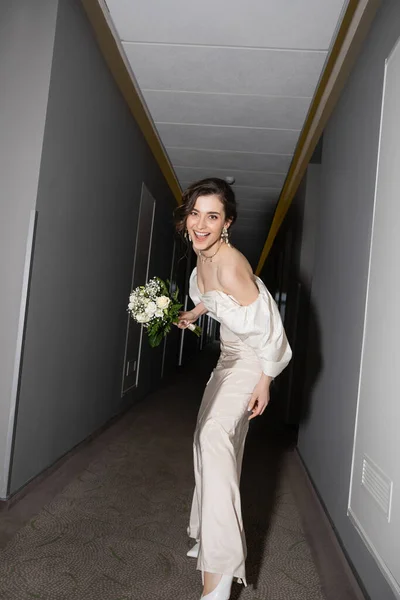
253, 341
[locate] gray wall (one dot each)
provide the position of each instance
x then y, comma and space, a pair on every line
309, 224
26, 49
93, 164
338, 294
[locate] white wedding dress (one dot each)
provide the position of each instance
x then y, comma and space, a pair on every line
252, 341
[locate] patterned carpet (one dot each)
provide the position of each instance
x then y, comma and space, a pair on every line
118, 530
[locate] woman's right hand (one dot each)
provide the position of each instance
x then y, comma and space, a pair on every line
186, 318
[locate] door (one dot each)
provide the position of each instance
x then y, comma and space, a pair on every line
140, 274
374, 503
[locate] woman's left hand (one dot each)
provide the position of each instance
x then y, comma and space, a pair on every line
260, 398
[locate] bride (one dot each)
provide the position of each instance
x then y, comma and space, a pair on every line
254, 350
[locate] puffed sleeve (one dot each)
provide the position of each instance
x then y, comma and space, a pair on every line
258, 325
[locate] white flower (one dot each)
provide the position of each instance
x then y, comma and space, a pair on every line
163, 302
132, 298
151, 308
159, 313
142, 318
131, 305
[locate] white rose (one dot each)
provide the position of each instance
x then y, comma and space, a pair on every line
163, 302
151, 308
132, 298
159, 313
130, 305
142, 318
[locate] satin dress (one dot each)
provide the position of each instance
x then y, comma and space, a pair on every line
252, 341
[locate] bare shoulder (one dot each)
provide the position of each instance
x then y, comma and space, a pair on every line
236, 277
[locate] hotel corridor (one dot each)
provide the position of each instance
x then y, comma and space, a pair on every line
116, 526
109, 111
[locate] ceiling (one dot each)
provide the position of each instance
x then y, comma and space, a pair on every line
228, 85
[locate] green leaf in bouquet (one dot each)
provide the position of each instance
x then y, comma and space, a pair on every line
156, 339
197, 331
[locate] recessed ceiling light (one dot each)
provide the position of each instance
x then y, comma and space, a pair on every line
230, 180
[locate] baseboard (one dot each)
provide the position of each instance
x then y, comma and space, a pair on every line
59, 462
338, 578
382, 566
21, 506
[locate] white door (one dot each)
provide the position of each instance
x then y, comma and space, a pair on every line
374, 503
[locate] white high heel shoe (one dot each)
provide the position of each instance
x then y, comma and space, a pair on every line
194, 552
222, 591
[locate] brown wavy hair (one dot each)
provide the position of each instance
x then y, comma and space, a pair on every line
205, 187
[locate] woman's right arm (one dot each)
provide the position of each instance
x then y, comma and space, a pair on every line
190, 316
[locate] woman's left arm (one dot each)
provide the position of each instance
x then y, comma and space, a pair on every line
270, 343
260, 397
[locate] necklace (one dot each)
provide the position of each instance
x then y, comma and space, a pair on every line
205, 258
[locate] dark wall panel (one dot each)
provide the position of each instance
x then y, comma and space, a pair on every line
93, 163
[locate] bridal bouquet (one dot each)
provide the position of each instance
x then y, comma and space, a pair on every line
152, 306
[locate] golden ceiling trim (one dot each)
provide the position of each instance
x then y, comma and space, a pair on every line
112, 51
354, 27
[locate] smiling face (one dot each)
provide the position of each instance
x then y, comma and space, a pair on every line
206, 221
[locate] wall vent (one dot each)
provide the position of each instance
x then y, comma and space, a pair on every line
378, 485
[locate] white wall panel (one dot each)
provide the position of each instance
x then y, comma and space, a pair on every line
252, 218
255, 204
242, 178
228, 138
243, 194
303, 24
227, 109
246, 207
190, 157
27, 41
374, 503
254, 193
231, 70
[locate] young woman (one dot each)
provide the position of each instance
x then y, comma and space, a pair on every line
254, 350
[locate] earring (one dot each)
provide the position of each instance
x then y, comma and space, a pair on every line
187, 236
225, 235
